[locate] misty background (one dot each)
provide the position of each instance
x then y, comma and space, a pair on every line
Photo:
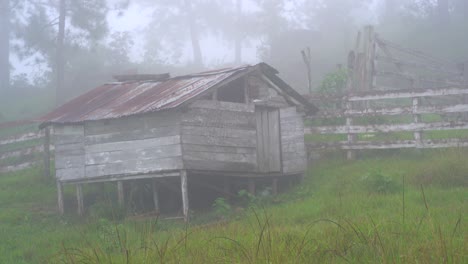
53, 50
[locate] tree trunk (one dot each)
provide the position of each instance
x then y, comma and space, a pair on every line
60, 63
4, 45
238, 40
194, 36
443, 12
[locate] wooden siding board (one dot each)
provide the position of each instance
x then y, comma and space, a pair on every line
133, 144
218, 141
294, 157
69, 152
155, 152
262, 166
132, 123
219, 136
219, 166
210, 156
225, 118
217, 105
130, 135
274, 141
217, 131
134, 166
219, 149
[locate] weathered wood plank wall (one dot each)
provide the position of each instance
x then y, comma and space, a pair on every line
293, 152
135, 145
219, 136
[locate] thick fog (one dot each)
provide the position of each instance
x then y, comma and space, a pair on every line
63, 48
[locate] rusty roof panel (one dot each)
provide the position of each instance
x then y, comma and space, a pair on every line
121, 99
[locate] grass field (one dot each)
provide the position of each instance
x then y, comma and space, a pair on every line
408, 207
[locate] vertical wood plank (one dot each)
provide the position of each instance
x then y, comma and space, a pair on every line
184, 189
350, 154
274, 141
246, 90
417, 119
47, 152
266, 141
260, 153
120, 193
226, 188
79, 199
60, 198
251, 186
155, 195
274, 186
215, 95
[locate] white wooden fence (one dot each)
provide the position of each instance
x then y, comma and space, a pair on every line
359, 106
21, 151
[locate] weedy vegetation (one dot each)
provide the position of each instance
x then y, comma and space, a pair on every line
404, 207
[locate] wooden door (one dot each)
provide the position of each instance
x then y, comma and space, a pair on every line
268, 140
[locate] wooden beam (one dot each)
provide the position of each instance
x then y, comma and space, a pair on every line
274, 186
185, 199
396, 94
226, 188
60, 201
397, 144
251, 186
350, 154
79, 199
386, 128
408, 110
417, 119
120, 193
155, 195
47, 152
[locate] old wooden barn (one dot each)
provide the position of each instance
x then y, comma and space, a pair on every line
236, 126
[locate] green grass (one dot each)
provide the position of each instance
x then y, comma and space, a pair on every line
407, 208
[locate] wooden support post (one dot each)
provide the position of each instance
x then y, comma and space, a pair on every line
60, 197
350, 154
274, 186
251, 185
214, 95
79, 199
120, 193
417, 119
245, 85
185, 200
155, 196
465, 73
226, 188
47, 152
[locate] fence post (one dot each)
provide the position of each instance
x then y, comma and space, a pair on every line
369, 47
47, 152
350, 154
417, 119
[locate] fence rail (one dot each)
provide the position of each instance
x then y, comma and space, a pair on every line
21, 151
357, 107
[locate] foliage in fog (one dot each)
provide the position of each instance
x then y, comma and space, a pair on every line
178, 37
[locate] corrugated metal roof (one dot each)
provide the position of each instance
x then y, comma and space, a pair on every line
121, 99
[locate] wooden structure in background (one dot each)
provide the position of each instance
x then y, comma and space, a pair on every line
385, 79
240, 123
